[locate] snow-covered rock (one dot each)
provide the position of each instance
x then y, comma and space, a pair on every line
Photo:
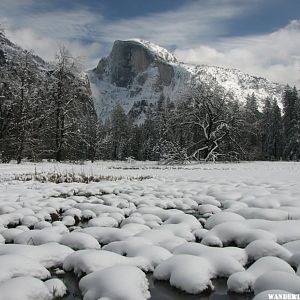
13, 265
222, 217
226, 253
88, 261
56, 287
277, 280
103, 222
106, 235
242, 282
261, 248
115, 283
49, 255
138, 73
238, 233
79, 241
189, 273
136, 247
24, 288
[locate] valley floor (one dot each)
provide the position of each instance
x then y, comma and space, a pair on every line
185, 225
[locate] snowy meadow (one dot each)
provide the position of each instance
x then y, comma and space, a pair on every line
135, 231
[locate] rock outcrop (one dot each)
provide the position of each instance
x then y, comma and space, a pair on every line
137, 73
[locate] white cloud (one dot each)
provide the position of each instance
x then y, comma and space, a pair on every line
194, 30
184, 26
275, 56
42, 30
45, 32
47, 47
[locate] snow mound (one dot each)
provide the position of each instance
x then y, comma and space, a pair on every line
16, 266
56, 287
162, 238
88, 261
115, 283
189, 273
189, 220
284, 230
181, 230
106, 235
263, 213
136, 247
277, 280
49, 255
226, 253
222, 217
207, 210
242, 282
24, 288
10, 234
261, 248
293, 247
238, 233
37, 237
103, 222
79, 241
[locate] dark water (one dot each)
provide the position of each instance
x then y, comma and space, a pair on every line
161, 290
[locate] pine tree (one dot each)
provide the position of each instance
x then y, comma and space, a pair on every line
252, 117
120, 133
277, 131
150, 136
266, 130
291, 122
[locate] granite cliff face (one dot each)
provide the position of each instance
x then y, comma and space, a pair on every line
130, 60
137, 73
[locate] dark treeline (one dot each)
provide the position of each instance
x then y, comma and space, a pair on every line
48, 113
207, 124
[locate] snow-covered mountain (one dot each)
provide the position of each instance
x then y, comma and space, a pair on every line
138, 73
14, 54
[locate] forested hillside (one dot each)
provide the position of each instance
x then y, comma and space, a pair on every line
47, 111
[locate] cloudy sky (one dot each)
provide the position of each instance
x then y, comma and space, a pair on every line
260, 37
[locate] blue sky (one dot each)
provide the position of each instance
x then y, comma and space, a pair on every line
260, 37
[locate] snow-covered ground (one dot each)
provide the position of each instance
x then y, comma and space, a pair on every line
188, 225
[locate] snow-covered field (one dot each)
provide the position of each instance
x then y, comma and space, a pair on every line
185, 224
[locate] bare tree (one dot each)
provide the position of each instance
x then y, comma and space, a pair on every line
71, 106
206, 110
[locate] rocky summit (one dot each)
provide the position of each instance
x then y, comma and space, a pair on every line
136, 74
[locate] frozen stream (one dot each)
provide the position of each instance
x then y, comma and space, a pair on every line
161, 290
180, 230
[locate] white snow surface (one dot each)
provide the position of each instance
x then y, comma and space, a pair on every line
56, 287
187, 224
115, 283
277, 280
241, 282
24, 288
